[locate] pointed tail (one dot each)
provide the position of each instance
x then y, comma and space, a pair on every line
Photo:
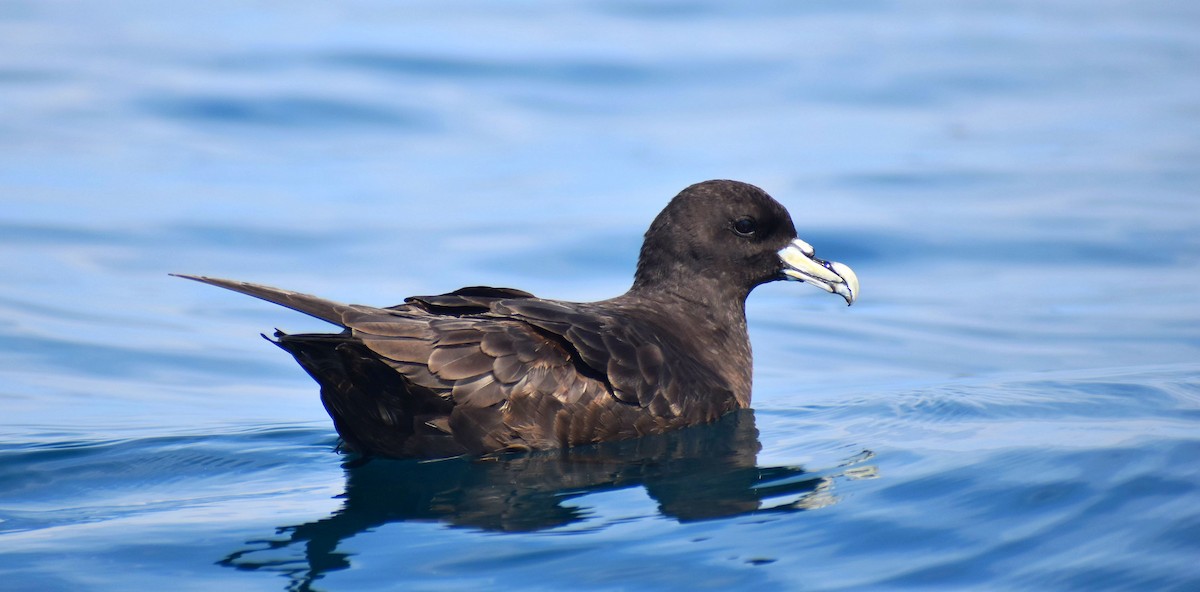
326, 310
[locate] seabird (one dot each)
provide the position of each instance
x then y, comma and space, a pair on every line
483, 370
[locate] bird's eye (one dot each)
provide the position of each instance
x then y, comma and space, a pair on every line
745, 226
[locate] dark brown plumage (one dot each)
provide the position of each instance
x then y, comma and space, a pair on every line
483, 369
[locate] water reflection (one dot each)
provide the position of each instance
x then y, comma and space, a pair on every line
694, 474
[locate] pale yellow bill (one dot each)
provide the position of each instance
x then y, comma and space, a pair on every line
801, 264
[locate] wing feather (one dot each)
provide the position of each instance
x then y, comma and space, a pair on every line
459, 361
413, 351
497, 369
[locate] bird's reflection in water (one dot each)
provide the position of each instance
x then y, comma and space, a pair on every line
697, 473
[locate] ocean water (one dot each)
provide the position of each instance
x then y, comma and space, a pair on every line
1013, 404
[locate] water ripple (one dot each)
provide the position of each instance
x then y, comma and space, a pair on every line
79, 481
289, 112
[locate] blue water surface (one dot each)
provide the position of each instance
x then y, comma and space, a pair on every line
1013, 404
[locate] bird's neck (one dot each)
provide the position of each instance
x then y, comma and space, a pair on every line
715, 329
